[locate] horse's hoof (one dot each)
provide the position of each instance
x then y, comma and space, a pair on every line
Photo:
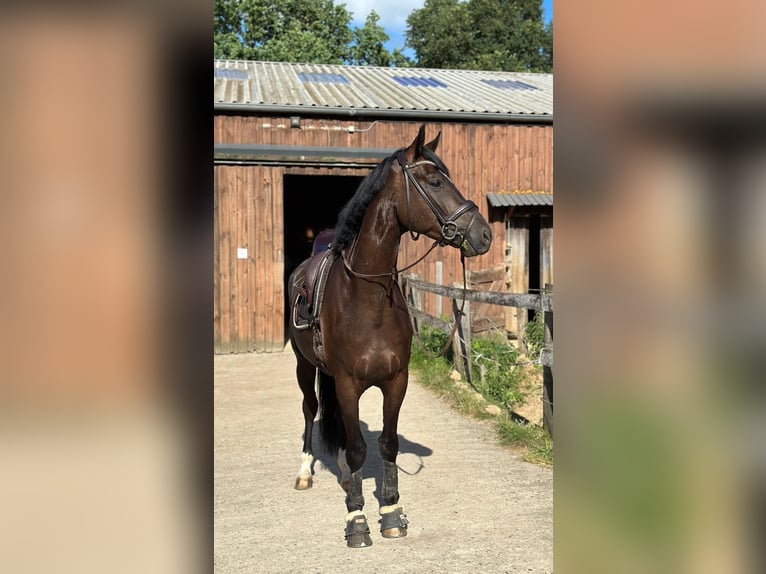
359, 541
357, 531
304, 482
393, 522
394, 532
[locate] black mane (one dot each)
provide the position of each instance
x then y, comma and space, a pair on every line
351, 216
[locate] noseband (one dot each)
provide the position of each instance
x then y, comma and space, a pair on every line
451, 233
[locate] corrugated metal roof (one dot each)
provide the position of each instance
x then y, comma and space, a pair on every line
373, 88
515, 199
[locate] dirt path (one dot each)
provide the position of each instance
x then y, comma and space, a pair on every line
472, 506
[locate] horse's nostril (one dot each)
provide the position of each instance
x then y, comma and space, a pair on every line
486, 236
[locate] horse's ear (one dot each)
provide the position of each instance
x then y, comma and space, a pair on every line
416, 147
432, 145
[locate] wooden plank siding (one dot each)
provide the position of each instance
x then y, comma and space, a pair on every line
249, 294
518, 271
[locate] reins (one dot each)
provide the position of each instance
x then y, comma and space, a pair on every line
394, 274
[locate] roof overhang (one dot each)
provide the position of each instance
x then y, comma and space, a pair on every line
519, 199
384, 113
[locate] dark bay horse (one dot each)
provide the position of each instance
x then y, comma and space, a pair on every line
362, 334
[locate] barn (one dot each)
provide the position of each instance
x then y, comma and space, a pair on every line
293, 141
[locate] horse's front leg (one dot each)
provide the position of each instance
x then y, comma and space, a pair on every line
393, 521
357, 530
345, 472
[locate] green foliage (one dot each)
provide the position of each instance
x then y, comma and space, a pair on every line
440, 33
433, 340
494, 370
537, 445
502, 382
312, 31
433, 372
481, 34
472, 34
535, 333
368, 48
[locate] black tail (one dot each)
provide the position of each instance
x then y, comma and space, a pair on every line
331, 427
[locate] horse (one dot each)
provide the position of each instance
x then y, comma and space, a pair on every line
360, 332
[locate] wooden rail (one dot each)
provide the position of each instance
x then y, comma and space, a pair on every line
521, 300
461, 298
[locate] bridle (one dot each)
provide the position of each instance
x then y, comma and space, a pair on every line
451, 233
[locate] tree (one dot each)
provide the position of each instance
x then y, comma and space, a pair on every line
368, 48
312, 31
481, 34
440, 34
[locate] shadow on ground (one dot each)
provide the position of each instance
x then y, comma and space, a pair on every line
373, 464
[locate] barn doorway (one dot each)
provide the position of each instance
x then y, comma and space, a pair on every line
311, 204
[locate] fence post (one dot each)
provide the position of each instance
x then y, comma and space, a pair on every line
412, 297
462, 343
417, 295
438, 298
547, 305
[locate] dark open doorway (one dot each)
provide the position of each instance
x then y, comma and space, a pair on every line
311, 204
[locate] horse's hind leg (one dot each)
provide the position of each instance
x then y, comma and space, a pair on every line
306, 373
393, 522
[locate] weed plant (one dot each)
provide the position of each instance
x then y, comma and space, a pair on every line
496, 376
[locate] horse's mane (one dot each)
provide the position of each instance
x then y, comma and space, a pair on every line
351, 216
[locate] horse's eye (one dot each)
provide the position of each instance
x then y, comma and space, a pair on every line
436, 183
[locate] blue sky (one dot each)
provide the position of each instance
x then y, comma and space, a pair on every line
393, 16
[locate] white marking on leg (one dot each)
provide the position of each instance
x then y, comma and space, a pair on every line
306, 460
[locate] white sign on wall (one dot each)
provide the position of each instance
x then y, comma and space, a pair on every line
241, 252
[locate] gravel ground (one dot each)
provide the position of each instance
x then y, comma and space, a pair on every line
472, 505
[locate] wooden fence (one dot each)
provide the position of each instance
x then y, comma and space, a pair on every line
461, 322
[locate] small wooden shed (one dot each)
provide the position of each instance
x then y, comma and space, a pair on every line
292, 142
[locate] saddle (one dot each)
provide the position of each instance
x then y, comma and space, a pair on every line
323, 241
308, 302
310, 292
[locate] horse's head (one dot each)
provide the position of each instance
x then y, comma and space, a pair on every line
432, 205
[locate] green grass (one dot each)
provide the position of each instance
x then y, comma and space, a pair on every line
533, 441
499, 381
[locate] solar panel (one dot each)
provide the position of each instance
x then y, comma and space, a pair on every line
321, 78
231, 74
509, 85
419, 82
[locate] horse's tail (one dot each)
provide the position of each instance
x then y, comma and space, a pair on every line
331, 427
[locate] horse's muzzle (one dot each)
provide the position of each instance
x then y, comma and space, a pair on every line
477, 239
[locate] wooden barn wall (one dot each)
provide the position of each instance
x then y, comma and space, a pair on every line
482, 158
248, 293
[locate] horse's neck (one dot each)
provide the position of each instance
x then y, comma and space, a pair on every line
376, 247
